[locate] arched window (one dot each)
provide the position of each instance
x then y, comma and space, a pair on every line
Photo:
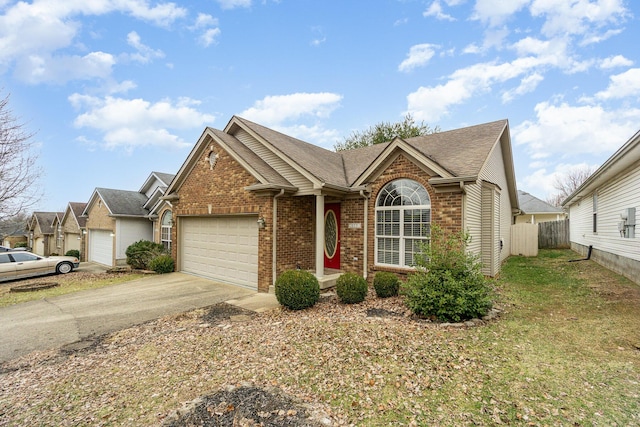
403, 221
165, 230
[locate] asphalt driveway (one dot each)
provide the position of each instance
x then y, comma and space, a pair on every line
65, 319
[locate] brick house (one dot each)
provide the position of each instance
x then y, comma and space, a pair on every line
249, 202
72, 229
41, 232
117, 218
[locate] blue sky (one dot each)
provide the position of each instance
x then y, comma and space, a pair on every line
116, 89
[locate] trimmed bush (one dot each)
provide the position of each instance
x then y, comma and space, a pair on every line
162, 264
73, 252
351, 288
140, 253
297, 289
21, 245
448, 284
386, 284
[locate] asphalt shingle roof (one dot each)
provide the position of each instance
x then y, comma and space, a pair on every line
124, 202
530, 204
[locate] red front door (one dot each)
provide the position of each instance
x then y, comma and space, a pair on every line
332, 236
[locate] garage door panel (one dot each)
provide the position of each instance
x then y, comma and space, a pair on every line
101, 247
223, 249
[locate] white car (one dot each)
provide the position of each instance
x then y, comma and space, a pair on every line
21, 264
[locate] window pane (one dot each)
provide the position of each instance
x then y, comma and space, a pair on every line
388, 251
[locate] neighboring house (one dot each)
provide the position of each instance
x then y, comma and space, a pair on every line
534, 210
117, 218
603, 212
159, 209
41, 232
249, 202
73, 229
10, 240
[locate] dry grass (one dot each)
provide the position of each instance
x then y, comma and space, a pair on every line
564, 352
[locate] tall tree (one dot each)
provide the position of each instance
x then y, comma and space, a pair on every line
19, 172
385, 132
569, 182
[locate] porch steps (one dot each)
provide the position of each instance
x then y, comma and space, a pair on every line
325, 282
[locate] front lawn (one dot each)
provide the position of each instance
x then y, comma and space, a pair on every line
564, 351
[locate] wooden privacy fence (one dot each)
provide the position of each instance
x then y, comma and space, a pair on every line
554, 235
524, 239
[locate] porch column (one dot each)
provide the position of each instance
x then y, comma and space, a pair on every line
319, 236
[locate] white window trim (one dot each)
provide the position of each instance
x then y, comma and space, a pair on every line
402, 238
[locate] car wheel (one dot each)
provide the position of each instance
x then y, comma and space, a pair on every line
64, 268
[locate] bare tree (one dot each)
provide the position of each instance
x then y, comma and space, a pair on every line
569, 182
19, 172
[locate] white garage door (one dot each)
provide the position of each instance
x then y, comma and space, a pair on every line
223, 249
101, 247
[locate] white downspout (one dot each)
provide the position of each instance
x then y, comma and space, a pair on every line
274, 234
319, 236
365, 252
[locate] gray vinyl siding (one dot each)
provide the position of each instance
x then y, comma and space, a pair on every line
472, 218
287, 172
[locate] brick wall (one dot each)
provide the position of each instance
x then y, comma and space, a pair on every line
296, 233
446, 208
207, 192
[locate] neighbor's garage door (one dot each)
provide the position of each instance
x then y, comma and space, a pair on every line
101, 247
223, 249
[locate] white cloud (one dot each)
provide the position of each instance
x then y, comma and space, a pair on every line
232, 4
278, 112
622, 85
496, 12
527, 85
208, 25
274, 110
541, 181
565, 131
144, 53
435, 9
615, 61
418, 56
35, 69
35, 33
576, 16
134, 123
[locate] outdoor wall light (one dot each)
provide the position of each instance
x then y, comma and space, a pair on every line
261, 223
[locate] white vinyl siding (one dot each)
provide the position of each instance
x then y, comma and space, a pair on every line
221, 248
494, 172
129, 231
619, 194
290, 174
472, 217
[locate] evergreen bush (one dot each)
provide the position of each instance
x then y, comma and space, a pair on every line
386, 284
73, 252
351, 288
448, 284
297, 289
162, 264
140, 253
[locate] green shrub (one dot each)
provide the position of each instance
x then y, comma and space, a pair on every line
73, 252
297, 289
21, 245
140, 253
162, 264
351, 288
448, 284
386, 284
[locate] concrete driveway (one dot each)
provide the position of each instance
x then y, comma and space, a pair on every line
65, 319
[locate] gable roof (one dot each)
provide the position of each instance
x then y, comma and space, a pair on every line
625, 157
163, 178
74, 211
119, 202
45, 221
532, 205
452, 154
